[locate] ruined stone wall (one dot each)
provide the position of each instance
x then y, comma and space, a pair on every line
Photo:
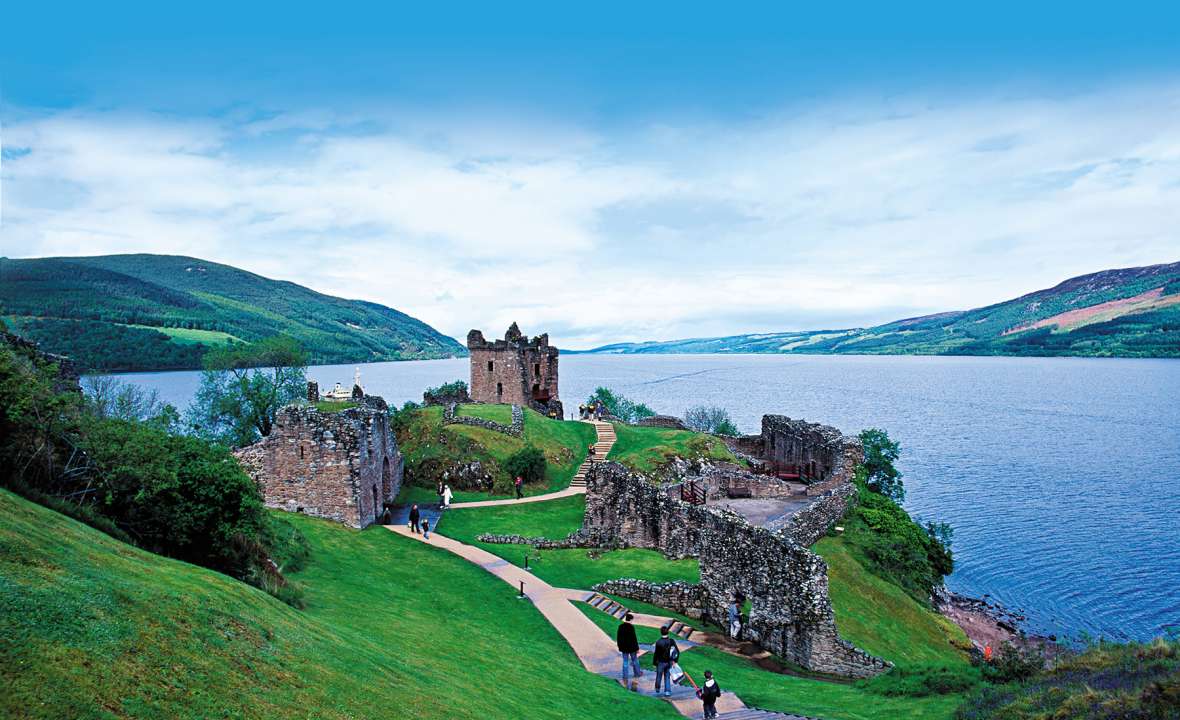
343, 466
662, 421
514, 370
791, 613
516, 429
811, 523
677, 596
825, 454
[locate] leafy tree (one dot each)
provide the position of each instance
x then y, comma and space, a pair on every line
528, 463
621, 407
244, 386
109, 397
880, 475
710, 419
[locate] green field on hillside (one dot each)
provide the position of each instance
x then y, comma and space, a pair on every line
430, 447
645, 449
93, 628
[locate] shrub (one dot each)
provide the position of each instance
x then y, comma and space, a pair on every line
923, 680
528, 463
621, 407
1013, 664
710, 419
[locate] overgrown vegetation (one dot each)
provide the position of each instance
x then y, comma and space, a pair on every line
527, 463
117, 462
710, 419
1106, 681
157, 312
647, 449
619, 406
243, 387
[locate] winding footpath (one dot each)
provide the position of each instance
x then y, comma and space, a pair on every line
595, 650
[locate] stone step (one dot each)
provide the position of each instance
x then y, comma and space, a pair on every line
674, 628
597, 600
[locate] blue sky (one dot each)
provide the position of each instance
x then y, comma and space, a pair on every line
616, 172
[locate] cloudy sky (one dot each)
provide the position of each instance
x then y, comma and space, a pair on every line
607, 175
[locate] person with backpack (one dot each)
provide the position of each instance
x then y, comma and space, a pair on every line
709, 692
666, 653
628, 644
415, 515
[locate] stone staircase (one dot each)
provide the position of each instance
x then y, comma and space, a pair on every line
606, 440
754, 714
617, 611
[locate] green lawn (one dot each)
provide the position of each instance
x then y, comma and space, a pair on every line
190, 336
609, 624
427, 444
93, 628
333, 406
496, 413
645, 449
562, 568
878, 616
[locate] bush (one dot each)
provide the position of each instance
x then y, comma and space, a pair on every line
623, 408
923, 680
1013, 664
710, 419
455, 388
528, 463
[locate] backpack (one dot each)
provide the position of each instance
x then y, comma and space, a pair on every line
674, 652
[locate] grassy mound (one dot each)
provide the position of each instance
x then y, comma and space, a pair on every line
646, 449
880, 617
574, 568
430, 447
93, 628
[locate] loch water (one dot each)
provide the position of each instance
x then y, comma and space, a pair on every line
1061, 476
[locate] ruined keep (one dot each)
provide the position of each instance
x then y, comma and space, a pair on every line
820, 456
343, 466
515, 370
791, 613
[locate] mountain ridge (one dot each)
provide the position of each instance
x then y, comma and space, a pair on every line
161, 312
1123, 312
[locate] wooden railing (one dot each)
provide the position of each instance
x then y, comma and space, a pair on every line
693, 492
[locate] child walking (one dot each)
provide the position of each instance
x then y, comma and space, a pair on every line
710, 691
426, 528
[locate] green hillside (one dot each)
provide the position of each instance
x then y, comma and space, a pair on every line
1133, 312
158, 312
93, 628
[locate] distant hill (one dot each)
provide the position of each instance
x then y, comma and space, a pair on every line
1134, 312
161, 312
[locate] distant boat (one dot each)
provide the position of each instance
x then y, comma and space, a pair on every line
339, 392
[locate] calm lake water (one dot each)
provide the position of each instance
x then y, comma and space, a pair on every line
1060, 476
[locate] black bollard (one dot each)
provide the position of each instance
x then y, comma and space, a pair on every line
526, 562
522, 588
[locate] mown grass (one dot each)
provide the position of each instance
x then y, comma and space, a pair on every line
574, 568
429, 446
882, 618
610, 625
496, 413
93, 628
646, 449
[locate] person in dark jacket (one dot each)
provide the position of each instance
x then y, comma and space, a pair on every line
415, 515
519, 485
709, 693
629, 648
666, 653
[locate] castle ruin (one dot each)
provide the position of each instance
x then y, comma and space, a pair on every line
515, 371
343, 466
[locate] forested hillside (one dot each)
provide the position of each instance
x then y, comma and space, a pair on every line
1134, 312
160, 312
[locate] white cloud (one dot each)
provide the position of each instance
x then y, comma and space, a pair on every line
836, 214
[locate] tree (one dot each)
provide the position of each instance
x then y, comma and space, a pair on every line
244, 386
878, 470
710, 419
527, 463
109, 397
621, 407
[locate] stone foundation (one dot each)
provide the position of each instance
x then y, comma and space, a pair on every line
791, 614
343, 466
516, 429
678, 596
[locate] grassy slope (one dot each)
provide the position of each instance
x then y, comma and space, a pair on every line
129, 292
644, 449
425, 441
93, 628
880, 617
562, 568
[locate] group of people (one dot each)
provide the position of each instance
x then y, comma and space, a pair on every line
419, 524
665, 655
594, 410
444, 496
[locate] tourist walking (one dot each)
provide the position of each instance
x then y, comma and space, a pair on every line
426, 528
439, 492
709, 692
735, 621
447, 495
628, 645
414, 517
519, 484
666, 653
582, 411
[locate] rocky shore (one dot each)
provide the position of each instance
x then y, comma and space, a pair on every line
986, 622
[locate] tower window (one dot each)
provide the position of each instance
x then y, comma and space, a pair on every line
491, 366
499, 389
537, 369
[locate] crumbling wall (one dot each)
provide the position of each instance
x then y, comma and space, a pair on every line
677, 596
791, 614
343, 466
823, 455
662, 421
811, 523
516, 429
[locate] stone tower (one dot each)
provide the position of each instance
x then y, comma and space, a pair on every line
515, 370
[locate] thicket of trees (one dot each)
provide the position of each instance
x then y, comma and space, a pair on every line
710, 419
621, 407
